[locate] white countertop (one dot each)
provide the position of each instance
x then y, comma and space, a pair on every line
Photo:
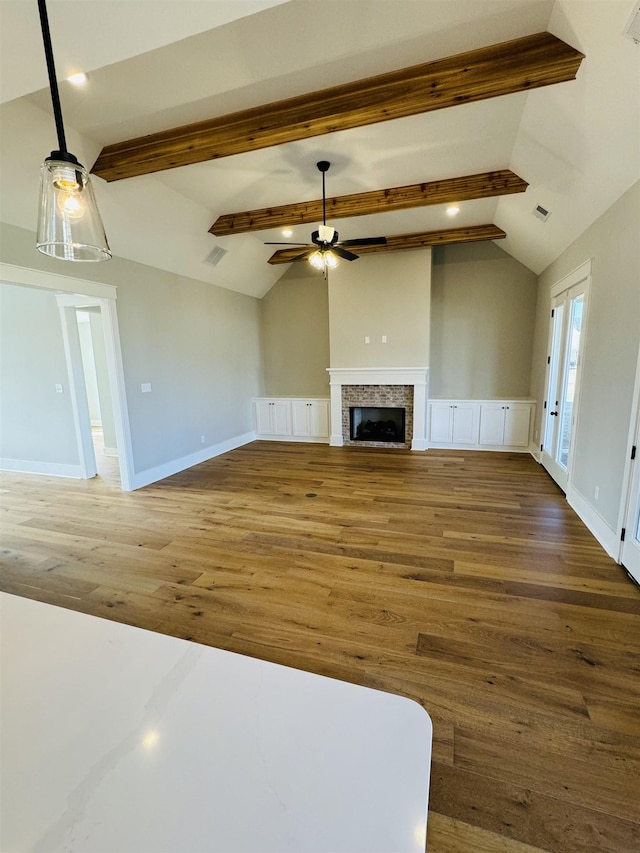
121, 740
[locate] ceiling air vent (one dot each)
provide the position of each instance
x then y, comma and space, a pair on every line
215, 256
632, 30
541, 212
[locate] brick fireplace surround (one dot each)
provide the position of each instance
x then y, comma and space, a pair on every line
381, 386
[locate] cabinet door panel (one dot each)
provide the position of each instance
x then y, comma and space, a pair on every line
492, 423
263, 417
441, 417
319, 420
516, 425
281, 418
465, 429
300, 417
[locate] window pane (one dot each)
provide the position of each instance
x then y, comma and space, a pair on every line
571, 369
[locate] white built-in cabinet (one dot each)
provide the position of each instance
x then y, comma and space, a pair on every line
310, 418
454, 422
292, 419
505, 424
272, 417
483, 424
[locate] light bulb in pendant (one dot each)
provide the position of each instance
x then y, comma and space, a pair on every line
71, 205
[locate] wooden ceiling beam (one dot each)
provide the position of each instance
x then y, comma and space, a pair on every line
473, 234
483, 185
501, 69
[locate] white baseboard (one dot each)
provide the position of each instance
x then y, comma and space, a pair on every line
605, 535
336, 441
50, 469
497, 448
306, 438
109, 451
152, 475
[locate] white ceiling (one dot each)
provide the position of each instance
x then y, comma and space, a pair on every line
155, 65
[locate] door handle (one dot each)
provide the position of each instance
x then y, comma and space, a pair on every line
554, 413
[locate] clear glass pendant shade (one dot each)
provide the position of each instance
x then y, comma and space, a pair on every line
69, 223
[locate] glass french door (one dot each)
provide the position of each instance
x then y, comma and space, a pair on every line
565, 342
630, 556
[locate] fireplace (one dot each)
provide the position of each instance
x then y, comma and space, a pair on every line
379, 388
367, 423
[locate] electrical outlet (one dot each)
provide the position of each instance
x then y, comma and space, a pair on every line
384, 339
596, 492
145, 387
201, 439
366, 339
58, 389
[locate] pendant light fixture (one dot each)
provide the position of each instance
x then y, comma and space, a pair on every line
69, 223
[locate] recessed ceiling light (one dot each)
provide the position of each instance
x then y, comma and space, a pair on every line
453, 210
287, 232
78, 79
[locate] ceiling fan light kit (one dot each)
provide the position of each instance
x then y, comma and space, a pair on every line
69, 223
326, 238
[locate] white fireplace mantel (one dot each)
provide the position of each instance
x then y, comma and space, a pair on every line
416, 376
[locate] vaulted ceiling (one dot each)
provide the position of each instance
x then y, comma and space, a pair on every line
207, 121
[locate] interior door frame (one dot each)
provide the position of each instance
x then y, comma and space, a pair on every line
627, 505
579, 276
76, 292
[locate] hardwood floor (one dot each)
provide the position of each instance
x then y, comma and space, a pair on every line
462, 580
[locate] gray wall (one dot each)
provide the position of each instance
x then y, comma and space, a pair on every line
295, 334
36, 423
197, 344
483, 308
610, 349
381, 294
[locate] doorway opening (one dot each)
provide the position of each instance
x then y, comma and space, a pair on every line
100, 299
98, 391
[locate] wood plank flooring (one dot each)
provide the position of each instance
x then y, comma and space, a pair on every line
462, 580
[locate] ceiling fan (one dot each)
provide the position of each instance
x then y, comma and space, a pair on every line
327, 247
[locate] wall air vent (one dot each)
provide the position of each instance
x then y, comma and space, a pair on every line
215, 256
541, 212
632, 30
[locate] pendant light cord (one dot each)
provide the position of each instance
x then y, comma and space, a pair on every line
53, 83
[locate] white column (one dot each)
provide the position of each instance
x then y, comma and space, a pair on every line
335, 438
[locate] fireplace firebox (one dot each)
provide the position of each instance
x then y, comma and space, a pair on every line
377, 423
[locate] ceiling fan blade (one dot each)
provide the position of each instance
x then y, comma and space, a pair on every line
285, 244
365, 241
342, 253
304, 256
